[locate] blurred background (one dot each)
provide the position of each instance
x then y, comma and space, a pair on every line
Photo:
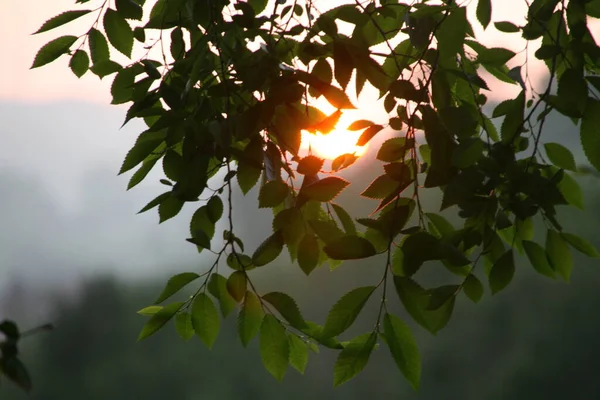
73, 252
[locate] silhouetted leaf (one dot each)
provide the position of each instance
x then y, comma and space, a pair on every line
502, 272
473, 288
80, 63
484, 12
349, 247
308, 253
272, 194
324, 190
118, 31
52, 50
268, 250
590, 132
61, 19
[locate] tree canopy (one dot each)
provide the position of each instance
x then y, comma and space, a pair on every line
226, 89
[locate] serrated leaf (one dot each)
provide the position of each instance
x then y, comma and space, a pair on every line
170, 207
61, 19
395, 149
337, 97
155, 202
502, 272
343, 161
345, 219
247, 176
205, 319
590, 132
298, 353
484, 12
183, 325
580, 244
98, 46
308, 253
310, 165
268, 250
274, 347
214, 209
236, 285
324, 190
287, 307
353, 358
349, 247
538, 258
368, 134
52, 50
381, 187
250, 318
403, 347
343, 63
80, 63
175, 284
158, 320
559, 254
129, 9
272, 194
343, 313
217, 286
118, 31
560, 156
473, 288
360, 124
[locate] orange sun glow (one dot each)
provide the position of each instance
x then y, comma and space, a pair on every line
337, 142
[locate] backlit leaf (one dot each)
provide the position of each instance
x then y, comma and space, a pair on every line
560, 156
268, 250
580, 244
205, 319
272, 194
559, 254
158, 320
52, 50
175, 284
473, 288
236, 285
349, 247
61, 19
353, 358
274, 347
308, 253
183, 325
343, 313
403, 348
502, 272
250, 318
538, 258
217, 286
324, 190
368, 134
118, 31
287, 307
298, 353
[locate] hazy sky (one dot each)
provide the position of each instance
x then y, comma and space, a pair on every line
63, 208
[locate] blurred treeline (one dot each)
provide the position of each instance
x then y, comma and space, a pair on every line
539, 339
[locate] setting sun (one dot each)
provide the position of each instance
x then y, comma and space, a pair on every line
337, 142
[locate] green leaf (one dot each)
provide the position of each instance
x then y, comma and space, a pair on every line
345, 219
155, 202
590, 132
571, 191
403, 347
214, 209
298, 353
170, 207
473, 288
61, 19
287, 307
129, 9
395, 149
502, 272
183, 325
324, 190
105, 68
274, 347
308, 253
353, 358
381, 187
175, 284
416, 301
507, 27
580, 244
268, 250
559, 254
80, 63
150, 310
158, 320
538, 258
484, 12
272, 194
258, 5
344, 312
560, 156
250, 318
98, 46
118, 31
52, 50
217, 286
205, 319
349, 247
247, 176
236, 285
